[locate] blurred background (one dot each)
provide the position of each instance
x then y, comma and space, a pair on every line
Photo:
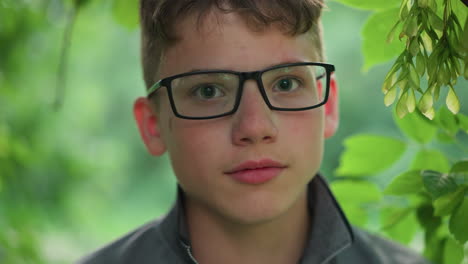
76, 175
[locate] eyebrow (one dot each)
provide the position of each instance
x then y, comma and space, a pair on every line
229, 69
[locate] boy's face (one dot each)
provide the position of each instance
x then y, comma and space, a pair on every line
202, 152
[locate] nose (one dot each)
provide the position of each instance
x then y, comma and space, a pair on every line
254, 122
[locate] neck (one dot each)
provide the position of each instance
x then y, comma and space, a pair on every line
217, 240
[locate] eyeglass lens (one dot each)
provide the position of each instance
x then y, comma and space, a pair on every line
209, 94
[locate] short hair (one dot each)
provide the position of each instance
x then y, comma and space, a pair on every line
159, 19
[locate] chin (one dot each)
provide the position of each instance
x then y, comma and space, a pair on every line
254, 209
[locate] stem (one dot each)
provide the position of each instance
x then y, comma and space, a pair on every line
62, 67
447, 9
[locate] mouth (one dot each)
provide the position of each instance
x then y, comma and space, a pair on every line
256, 172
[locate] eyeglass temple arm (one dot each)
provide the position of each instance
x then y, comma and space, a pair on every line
153, 88
320, 76
324, 74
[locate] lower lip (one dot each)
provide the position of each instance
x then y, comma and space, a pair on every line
256, 176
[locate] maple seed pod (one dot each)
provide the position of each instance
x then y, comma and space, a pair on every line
430, 113
414, 47
426, 102
411, 101
390, 96
420, 64
402, 108
452, 101
422, 3
440, 76
411, 28
436, 22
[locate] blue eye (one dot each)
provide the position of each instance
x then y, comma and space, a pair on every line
207, 91
287, 85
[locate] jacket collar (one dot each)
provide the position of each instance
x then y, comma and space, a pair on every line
329, 235
330, 231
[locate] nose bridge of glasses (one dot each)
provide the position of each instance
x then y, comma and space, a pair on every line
256, 77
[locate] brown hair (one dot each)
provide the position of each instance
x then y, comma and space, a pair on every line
159, 19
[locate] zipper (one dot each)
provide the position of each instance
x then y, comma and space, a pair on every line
189, 253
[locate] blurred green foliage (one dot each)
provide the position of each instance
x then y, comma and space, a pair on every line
75, 178
429, 197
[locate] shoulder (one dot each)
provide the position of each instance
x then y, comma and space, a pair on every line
369, 248
143, 245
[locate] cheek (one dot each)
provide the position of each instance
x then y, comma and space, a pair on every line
193, 146
305, 135
305, 126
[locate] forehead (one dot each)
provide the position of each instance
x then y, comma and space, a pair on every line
225, 41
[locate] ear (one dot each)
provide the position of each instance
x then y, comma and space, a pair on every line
331, 109
148, 125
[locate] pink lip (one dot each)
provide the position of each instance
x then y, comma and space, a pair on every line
256, 172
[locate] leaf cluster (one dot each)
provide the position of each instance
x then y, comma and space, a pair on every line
430, 196
436, 48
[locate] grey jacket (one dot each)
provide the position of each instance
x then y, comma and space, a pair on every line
332, 240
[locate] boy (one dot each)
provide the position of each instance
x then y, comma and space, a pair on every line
237, 98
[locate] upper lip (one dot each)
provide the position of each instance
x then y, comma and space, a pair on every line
258, 164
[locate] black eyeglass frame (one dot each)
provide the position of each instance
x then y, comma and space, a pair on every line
244, 76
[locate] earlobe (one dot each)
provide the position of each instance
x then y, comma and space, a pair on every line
331, 109
148, 125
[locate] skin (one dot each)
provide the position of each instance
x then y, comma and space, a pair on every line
232, 222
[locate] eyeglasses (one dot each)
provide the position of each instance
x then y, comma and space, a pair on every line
216, 93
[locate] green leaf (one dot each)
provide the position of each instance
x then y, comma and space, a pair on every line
457, 224
431, 225
357, 192
391, 35
375, 47
462, 122
427, 159
453, 252
406, 183
80, 3
460, 10
416, 127
461, 178
369, 4
438, 184
445, 204
461, 166
427, 219
464, 36
400, 224
353, 197
125, 12
447, 121
459, 172
444, 137
365, 155
434, 248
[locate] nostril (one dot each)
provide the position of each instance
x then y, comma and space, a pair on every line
246, 140
267, 138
